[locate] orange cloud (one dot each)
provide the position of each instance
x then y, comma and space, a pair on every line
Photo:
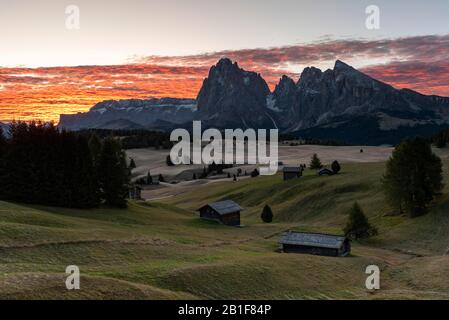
419, 63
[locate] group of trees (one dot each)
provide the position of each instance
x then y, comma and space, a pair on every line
441, 138
315, 164
42, 165
412, 180
295, 141
134, 139
413, 177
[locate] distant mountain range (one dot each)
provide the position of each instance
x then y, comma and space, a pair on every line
4, 128
132, 114
340, 104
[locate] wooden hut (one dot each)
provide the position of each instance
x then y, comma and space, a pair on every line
225, 212
292, 173
315, 243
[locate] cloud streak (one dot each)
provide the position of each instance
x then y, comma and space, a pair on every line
419, 63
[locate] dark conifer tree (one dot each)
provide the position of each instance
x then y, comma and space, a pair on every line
267, 214
113, 173
149, 178
335, 167
315, 162
132, 164
358, 226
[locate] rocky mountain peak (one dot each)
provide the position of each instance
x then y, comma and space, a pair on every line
232, 95
340, 65
310, 77
286, 84
225, 63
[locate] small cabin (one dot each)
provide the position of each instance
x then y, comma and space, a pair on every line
325, 172
316, 244
292, 173
225, 212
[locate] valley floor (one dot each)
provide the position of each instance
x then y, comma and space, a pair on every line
161, 250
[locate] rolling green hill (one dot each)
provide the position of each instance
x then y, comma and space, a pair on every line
161, 250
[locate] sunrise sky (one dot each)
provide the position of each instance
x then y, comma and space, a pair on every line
154, 48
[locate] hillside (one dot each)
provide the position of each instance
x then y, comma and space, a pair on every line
161, 250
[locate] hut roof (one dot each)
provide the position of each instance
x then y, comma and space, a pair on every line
313, 240
224, 207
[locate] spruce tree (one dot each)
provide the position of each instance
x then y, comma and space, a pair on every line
358, 226
267, 214
132, 164
86, 193
255, 173
168, 161
315, 162
335, 167
95, 149
113, 173
149, 178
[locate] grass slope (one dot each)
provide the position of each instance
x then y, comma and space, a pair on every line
163, 251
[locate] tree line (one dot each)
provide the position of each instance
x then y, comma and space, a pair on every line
134, 139
40, 164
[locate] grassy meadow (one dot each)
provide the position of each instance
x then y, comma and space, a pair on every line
162, 250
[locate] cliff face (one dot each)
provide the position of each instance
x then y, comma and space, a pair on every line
232, 97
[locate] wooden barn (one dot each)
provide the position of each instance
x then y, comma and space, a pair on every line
292, 173
225, 212
315, 243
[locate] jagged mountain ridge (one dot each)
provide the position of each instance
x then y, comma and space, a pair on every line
327, 104
323, 98
131, 114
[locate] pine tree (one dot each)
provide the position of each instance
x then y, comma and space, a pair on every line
315, 162
113, 173
95, 149
204, 174
413, 176
358, 226
149, 178
267, 214
132, 164
255, 173
168, 161
86, 193
335, 167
